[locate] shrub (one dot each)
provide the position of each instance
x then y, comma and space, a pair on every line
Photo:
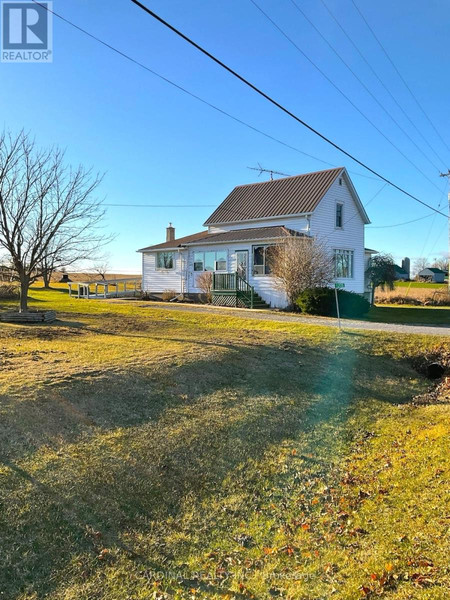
204, 282
9, 291
168, 295
321, 301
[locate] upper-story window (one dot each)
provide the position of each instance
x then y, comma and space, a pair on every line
165, 260
339, 214
261, 259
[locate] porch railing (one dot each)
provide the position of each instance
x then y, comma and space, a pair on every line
233, 283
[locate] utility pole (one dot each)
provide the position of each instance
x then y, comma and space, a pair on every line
448, 198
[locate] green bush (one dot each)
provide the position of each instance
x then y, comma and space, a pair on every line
321, 301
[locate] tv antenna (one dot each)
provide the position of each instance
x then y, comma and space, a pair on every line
262, 170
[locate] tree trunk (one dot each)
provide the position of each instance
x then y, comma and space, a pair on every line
46, 276
24, 285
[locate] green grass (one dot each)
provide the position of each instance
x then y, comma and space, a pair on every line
154, 454
420, 284
409, 315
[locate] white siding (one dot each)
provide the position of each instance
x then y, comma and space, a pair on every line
192, 275
295, 223
349, 237
320, 224
263, 284
157, 280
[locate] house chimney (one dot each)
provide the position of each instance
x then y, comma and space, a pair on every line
170, 233
406, 264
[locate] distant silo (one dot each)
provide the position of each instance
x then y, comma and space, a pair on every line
406, 265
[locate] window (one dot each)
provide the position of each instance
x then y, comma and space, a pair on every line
343, 264
210, 261
261, 260
164, 260
221, 260
198, 261
339, 214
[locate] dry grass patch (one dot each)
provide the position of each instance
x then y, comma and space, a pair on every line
181, 455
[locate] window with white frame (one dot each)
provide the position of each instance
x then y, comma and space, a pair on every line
343, 264
165, 260
339, 214
262, 259
210, 261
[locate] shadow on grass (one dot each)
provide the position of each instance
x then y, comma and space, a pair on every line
121, 451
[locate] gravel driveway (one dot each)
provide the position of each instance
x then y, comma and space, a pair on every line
266, 315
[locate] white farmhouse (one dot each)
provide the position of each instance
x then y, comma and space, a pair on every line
236, 244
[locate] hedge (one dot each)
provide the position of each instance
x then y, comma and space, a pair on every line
321, 301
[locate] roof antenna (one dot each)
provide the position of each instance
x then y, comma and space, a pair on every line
271, 171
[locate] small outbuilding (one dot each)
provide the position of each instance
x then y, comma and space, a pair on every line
432, 274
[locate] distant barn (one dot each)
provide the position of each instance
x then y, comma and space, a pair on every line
432, 274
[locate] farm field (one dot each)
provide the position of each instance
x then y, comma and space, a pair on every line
421, 285
159, 454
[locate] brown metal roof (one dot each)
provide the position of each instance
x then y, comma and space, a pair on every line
237, 235
178, 243
250, 234
288, 196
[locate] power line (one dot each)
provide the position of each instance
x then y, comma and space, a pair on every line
162, 205
403, 223
280, 106
400, 75
355, 46
336, 87
344, 62
195, 96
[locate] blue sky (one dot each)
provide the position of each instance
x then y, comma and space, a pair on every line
158, 146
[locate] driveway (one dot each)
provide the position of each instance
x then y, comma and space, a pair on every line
267, 315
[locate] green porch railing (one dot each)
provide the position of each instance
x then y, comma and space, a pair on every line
233, 284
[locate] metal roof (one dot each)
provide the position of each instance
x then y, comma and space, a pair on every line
294, 195
432, 269
175, 244
252, 234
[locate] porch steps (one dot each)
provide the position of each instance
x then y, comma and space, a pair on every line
231, 289
258, 302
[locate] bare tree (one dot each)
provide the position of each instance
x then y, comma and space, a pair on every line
299, 263
48, 214
440, 263
420, 264
101, 268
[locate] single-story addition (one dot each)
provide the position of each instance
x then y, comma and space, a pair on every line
432, 274
252, 219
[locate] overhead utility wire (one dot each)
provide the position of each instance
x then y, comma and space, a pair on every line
281, 107
400, 75
344, 62
355, 46
192, 95
336, 87
162, 205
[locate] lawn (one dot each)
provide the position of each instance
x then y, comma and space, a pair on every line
420, 284
148, 454
409, 315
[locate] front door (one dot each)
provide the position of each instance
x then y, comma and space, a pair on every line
242, 263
